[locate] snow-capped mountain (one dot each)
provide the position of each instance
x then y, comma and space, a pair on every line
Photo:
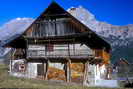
120, 37
15, 26
12, 28
89, 19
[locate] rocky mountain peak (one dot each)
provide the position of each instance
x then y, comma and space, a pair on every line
88, 19
15, 26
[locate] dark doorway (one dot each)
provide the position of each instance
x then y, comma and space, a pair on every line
40, 69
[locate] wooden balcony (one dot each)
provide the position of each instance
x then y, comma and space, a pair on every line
59, 53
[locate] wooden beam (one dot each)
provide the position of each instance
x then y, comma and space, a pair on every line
46, 70
12, 53
73, 48
26, 65
68, 51
86, 70
68, 70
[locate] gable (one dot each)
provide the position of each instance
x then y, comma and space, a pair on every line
54, 21
53, 27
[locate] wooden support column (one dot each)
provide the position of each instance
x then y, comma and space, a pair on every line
12, 58
26, 49
46, 70
26, 65
86, 70
68, 70
68, 51
73, 48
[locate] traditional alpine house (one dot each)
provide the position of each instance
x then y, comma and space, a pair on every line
56, 46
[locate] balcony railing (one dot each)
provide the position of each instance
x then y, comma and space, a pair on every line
58, 53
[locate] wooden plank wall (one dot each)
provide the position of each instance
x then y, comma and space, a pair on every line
57, 27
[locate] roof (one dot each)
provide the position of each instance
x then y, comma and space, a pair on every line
121, 61
89, 37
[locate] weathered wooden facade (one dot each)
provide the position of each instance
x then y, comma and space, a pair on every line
58, 37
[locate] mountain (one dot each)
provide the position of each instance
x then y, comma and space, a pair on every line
89, 19
15, 26
120, 37
12, 29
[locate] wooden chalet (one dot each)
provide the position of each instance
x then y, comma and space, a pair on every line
58, 37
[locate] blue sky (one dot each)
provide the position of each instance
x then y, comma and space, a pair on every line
117, 12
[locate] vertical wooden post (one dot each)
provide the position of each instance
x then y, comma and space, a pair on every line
55, 27
68, 50
69, 65
11, 60
26, 49
86, 69
68, 70
26, 65
11, 65
74, 49
45, 50
32, 31
46, 70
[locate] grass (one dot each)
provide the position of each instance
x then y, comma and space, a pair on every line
7, 81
